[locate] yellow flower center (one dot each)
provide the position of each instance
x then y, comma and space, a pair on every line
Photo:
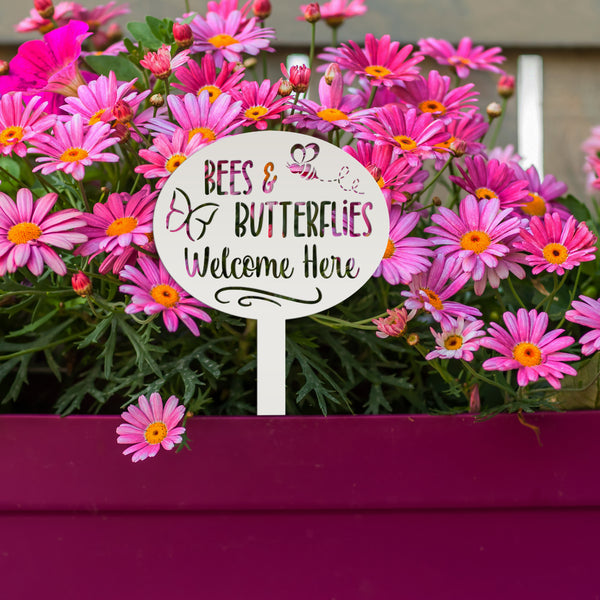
332, 114
446, 144
11, 135
555, 253
21, 233
432, 106
175, 161
213, 92
73, 155
485, 193
165, 294
453, 342
97, 116
476, 241
534, 207
377, 71
406, 143
390, 249
221, 40
459, 60
381, 183
121, 226
527, 354
256, 112
155, 432
205, 132
433, 298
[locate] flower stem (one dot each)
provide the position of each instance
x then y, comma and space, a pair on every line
487, 380
311, 56
84, 196
498, 125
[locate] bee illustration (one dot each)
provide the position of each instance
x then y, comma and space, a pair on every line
302, 156
195, 220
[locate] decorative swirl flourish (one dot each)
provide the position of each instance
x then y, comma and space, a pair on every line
257, 294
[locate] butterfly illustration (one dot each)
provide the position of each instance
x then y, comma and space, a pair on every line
195, 220
302, 156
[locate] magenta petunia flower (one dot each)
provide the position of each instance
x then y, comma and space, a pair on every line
477, 239
464, 57
491, 179
200, 118
417, 136
458, 339
404, 256
48, 65
334, 109
336, 12
382, 61
260, 103
20, 122
586, 313
541, 194
117, 224
525, 346
165, 155
395, 177
394, 325
72, 147
434, 95
155, 291
195, 78
150, 425
227, 38
27, 231
556, 246
430, 291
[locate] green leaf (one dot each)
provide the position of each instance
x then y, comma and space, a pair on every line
141, 349
576, 207
123, 69
161, 29
34, 325
109, 349
143, 34
96, 333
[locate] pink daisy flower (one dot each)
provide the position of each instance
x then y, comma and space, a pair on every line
555, 246
417, 136
458, 339
200, 118
395, 177
476, 240
227, 38
491, 179
118, 223
225, 7
20, 123
541, 194
48, 65
99, 15
155, 291
464, 57
433, 95
382, 62
27, 231
336, 12
587, 313
506, 155
63, 12
525, 346
160, 63
150, 425
72, 147
261, 103
404, 256
196, 78
334, 110
467, 129
394, 325
165, 155
431, 291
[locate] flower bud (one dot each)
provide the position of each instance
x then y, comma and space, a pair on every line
183, 35
412, 339
436, 201
122, 132
250, 62
4, 67
300, 78
332, 71
494, 110
285, 88
123, 112
261, 8
506, 86
81, 284
114, 33
45, 8
474, 400
156, 100
312, 12
459, 147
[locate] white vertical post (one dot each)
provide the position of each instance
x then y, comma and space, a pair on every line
270, 333
530, 116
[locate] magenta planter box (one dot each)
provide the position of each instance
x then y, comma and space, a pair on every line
304, 508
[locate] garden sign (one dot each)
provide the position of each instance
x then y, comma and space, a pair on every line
271, 226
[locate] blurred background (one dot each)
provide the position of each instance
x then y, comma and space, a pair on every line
563, 84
